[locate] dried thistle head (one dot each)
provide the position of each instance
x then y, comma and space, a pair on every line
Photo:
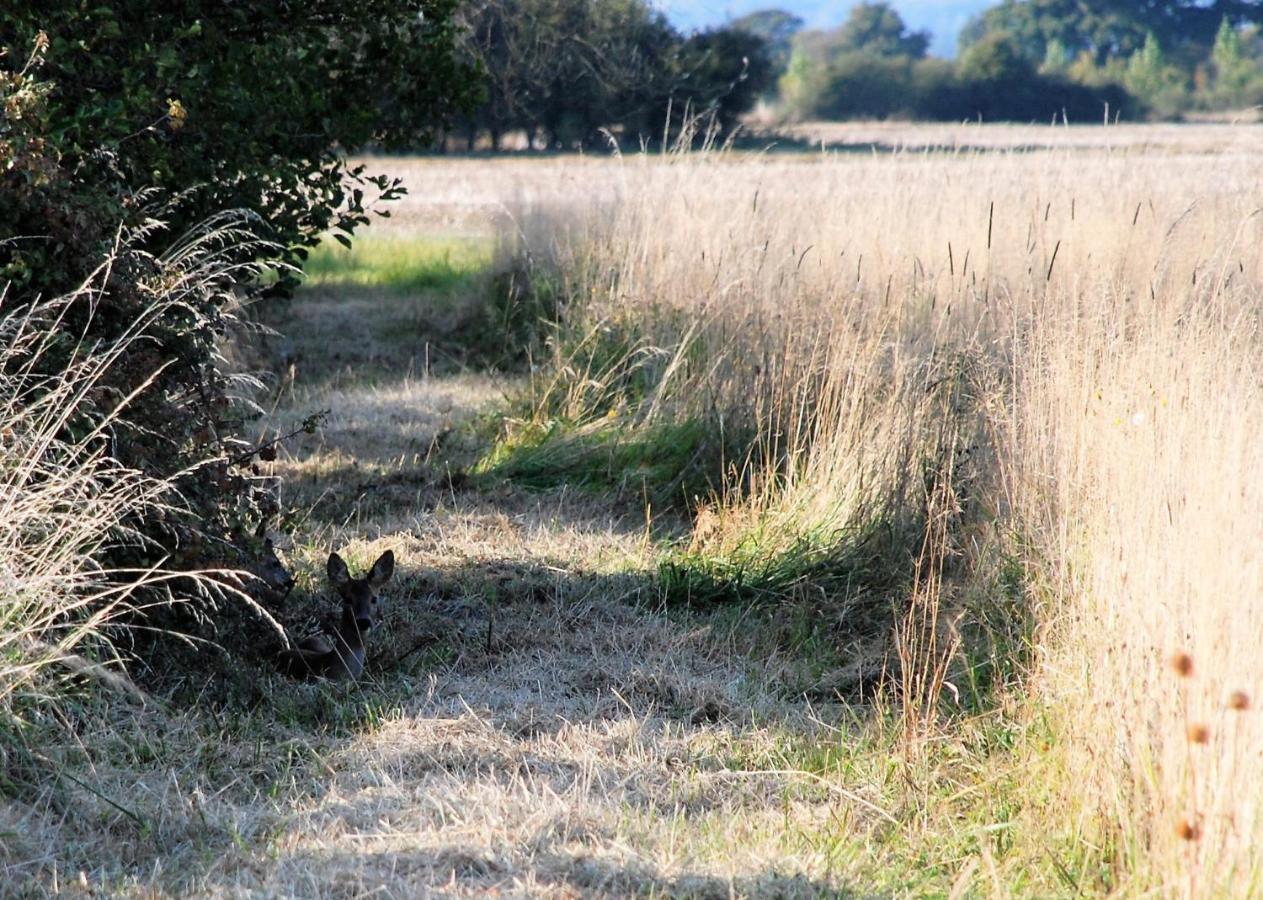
1182, 663
1188, 831
1198, 733
1239, 700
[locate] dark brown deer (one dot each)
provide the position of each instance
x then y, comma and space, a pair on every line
340, 656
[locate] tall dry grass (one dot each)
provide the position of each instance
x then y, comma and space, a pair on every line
66, 504
1072, 335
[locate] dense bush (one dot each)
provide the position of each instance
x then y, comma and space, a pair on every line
233, 106
165, 152
165, 412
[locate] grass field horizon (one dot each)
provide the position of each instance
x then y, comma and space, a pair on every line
803, 524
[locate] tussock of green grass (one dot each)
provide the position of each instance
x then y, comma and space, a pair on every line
665, 463
399, 264
872, 562
997, 633
917, 829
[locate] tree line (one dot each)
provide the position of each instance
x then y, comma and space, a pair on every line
1025, 60
578, 73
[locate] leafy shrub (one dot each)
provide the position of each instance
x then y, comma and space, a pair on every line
235, 106
163, 154
181, 404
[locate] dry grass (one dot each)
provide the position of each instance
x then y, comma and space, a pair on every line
1034, 370
1104, 299
65, 501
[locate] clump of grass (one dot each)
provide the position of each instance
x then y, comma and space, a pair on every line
663, 464
858, 568
65, 504
600, 413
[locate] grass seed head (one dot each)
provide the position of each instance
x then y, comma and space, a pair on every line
1188, 831
1198, 733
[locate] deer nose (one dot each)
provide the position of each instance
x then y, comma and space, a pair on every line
363, 623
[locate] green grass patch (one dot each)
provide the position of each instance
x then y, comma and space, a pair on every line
399, 264
666, 464
957, 817
869, 562
997, 631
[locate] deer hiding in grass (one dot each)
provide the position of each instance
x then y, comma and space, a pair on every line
340, 656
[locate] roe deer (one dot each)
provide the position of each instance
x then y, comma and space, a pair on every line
341, 656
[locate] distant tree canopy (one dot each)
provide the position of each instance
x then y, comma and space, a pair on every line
876, 28
873, 66
1111, 28
1173, 56
565, 70
777, 28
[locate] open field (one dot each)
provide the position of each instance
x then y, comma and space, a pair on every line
1230, 137
854, 523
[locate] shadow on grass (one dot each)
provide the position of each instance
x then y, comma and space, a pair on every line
665, 465
485, 666
466, 867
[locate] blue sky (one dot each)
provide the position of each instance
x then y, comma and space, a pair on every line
943, 18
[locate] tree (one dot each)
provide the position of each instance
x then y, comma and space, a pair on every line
573, 71
856, 69
998, 59
249, 105
1238, 76
1056, 57
722, 72
875, 27
777, 28
1151, 78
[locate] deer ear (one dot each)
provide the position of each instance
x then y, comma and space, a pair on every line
382, 569
338, 574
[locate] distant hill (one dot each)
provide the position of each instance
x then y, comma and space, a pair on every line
942, 18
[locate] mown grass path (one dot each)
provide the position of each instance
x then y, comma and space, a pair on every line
532, 722
538, 727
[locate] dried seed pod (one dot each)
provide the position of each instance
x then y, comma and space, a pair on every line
1198, 733
1188, 831
1182, 663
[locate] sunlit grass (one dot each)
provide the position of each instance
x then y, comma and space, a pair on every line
399, 264
1050, 360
